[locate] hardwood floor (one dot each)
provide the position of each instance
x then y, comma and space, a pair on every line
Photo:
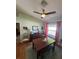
20, 50
22, 53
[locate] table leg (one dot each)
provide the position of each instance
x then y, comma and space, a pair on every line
33, 45
42, 56
37, 55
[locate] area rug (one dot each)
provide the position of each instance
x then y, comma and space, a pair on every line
31, 54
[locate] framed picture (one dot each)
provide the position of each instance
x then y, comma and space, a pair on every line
25, 28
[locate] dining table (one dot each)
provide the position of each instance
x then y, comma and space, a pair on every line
40, 45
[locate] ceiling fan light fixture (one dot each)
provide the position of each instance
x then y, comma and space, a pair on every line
43, 15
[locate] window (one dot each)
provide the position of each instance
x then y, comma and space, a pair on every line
35, 29
51, 29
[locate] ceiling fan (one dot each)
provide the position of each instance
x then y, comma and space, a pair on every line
43, 14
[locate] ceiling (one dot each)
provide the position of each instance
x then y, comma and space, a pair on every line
28, 6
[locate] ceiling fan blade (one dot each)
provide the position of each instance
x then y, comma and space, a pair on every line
50, 13
37, 12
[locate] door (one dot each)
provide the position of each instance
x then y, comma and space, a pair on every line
17, 29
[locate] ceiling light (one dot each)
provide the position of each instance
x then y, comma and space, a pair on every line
43, 3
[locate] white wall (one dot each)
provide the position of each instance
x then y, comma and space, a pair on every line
29, 21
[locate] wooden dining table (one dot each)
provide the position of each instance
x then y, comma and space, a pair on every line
41, 45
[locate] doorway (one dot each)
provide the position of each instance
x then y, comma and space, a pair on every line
17, 29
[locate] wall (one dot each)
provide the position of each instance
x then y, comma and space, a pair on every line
29, 21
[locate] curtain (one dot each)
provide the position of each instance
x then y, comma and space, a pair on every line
46, 29
58, 36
